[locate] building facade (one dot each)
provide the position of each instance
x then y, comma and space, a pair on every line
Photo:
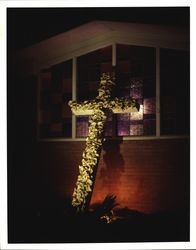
145, 159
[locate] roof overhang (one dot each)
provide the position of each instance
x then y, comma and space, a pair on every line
95, 35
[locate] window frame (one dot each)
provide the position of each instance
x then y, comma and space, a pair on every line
74, 97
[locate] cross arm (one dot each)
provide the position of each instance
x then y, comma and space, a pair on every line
117, 105
82, 108
124, 105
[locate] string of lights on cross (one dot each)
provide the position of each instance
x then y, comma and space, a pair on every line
98, 109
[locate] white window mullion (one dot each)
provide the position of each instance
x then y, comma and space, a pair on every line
74, 83
158, 123
113, 54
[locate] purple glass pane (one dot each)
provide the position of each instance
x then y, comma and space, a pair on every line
123, 124
149, 105
82, 126
136, 129
136, 90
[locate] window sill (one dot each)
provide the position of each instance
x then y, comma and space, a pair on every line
133, 138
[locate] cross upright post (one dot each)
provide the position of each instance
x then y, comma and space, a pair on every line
98, 110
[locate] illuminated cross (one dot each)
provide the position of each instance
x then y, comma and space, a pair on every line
98, 109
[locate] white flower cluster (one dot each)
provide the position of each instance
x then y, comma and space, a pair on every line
103, 100
90, 156
93, 141
89, 159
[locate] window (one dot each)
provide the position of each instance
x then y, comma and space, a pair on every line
89, 69
136, 69
175, 96
136, 77
55, 92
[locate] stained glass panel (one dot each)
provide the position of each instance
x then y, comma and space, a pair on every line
137, 115
175, 92
82, 126
67, 127
150, 105
136, 129
136, 88
89, 69
123, 124
56, 90
56, 129
108, 130
136, 74
149, 126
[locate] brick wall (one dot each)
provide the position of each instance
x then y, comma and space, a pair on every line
146, 175
58, 166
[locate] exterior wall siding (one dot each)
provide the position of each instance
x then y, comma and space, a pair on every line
148, 176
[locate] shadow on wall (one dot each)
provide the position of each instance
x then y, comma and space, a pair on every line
113, 168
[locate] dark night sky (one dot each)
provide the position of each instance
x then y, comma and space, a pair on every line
26, 26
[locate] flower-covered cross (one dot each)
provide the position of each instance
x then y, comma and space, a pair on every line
98, 109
